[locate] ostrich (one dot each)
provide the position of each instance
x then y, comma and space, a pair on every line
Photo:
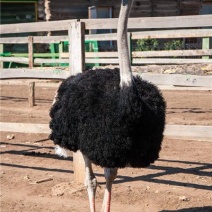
114, 118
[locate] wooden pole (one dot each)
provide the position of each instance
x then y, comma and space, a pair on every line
31, 94
77, 65
205, 46
76, 47
79, 167
30, 50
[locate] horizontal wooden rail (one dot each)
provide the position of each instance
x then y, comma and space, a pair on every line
194, 21
59, 73
173, 53
34, 73
179, 33
178, 79
191, 132
137, 61
15, 59
55, 84
36, 39
137, 57
114, 61
195, 33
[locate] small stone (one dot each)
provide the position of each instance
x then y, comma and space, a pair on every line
183, 198
26, 177
156, 192
1, 174
10, 137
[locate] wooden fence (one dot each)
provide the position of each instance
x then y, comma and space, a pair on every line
140, 28
172, 27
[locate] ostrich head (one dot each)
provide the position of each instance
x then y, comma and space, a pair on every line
123, 51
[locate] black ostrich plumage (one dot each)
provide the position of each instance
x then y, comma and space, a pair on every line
113, 127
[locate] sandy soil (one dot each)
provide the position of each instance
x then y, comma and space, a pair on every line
181, 180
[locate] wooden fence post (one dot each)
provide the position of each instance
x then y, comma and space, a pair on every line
205, 46
31, 94
30, 51
31, 97
77, 65
76, 47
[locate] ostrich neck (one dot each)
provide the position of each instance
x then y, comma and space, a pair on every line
123, 51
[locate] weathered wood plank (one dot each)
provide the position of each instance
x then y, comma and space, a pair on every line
30, 51
24, 127
77, 65
39, 61
169, 61
93, 54
177, 79
179, 33
76, 49
101, 37
37, 39
15, 59
35, 27
135, 61
205, 46
192, 132
153, 22
102, 60
134, 23
26, 73
159, 79
51, 84
38, 82
172, 53
113, 36
101, 54
31, 94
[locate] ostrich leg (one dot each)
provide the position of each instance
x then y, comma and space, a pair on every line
110, 175
90, 183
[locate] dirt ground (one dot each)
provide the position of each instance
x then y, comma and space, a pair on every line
33, 178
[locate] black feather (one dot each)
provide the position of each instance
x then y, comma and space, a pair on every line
112, 126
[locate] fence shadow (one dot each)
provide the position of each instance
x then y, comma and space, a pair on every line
196, 209
36, 168
168, 170
33, 151
24, 99
198, 168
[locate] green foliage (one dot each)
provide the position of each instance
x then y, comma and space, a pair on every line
173, 45
153, 44
147, 44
